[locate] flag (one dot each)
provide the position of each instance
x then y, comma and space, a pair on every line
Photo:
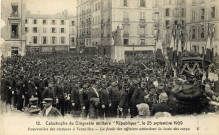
170, 53
208, 54
175, 53
159, 53
179, 58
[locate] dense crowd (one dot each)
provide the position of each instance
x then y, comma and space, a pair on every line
86, 85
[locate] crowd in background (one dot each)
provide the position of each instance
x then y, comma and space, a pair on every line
86, 85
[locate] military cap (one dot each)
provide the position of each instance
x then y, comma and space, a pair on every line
47, 100
34, 111
34, 99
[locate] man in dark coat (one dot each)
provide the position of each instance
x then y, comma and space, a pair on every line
162, 106
59, 96
94, 99
138, 97
123, 103
75, 99
84, 92
114, 96
49, 110
105, 101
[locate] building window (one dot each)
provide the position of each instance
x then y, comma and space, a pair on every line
26, 29
72, 41
175, 22
62, 40
44, 21
53, 22
156, 3
126, 41
183, 22
44, 40
62, 30
72, 23
142, 30
53, 30
34, 21
183, 12
62, 22
194, 48
142, 15
26, 21
193, 2
193, 15
142, 41
126, 15
35, 39
212, 12
14, 31
14, 10
44, 30
202, 13
53, 40
125, 3
202, 32
142, 3
167, 23
176, 12
157, 17
167, 12
193, 33
203, 50
35, 29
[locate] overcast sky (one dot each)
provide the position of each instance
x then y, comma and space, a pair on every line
51, 6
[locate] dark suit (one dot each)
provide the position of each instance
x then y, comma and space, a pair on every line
114, 96
48, 93
75, 98
104, 100
160, 107
52, 113
123, 103
84, 101
137, 98
59, 93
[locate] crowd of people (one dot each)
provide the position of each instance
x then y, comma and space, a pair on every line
91, 86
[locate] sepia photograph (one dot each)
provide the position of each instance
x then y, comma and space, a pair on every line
109, 67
